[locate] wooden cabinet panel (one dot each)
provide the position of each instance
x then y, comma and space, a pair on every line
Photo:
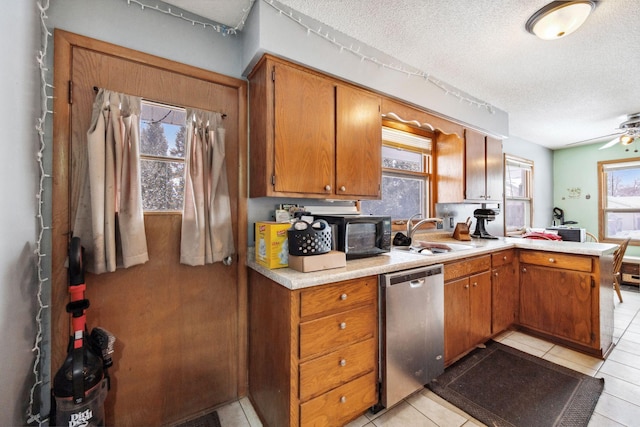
320, 335
456, 318
327, 372
338, 406
304, 131
558, 302
504, 290
479, 307
324, 299
557, 260
494, 171
475, 165
359, 140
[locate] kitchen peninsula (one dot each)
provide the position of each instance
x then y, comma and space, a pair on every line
313, 337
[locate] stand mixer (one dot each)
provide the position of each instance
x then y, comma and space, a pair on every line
482, 216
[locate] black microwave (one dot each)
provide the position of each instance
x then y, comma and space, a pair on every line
359, 236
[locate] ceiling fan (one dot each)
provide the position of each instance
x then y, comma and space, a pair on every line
629, 131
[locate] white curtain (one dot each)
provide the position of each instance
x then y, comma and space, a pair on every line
109, 218
207, 235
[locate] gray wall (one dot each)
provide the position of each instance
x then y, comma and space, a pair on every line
19, 44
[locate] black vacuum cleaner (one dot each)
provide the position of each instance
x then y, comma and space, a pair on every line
80, 386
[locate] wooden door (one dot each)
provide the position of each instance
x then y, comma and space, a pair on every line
504, 297
304, 127
180, 330
475, 188
479, 307
557, 301
456, 318
494, 170
450, 169
358, 143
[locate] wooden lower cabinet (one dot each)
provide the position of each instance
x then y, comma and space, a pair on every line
505, 290
567, 298
467, 306
312, 352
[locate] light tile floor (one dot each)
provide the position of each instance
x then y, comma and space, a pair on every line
619, 404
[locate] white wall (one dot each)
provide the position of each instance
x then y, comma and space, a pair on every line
19, 44
542, 176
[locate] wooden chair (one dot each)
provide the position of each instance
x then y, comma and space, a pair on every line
617, 266
590, 238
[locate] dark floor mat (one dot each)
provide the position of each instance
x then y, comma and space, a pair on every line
209, 420
502, 386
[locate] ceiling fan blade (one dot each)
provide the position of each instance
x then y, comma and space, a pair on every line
610, 143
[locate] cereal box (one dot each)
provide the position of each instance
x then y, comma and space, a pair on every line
272, 244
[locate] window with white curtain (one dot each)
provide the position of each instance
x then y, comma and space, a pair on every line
620, 199
406, 159
518, 178
162, 144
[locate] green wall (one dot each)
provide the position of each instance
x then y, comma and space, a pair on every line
575, 185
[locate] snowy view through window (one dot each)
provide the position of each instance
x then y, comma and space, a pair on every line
622, 205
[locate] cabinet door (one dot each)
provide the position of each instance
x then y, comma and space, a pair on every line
456, 318
557, 301
475, 165
504, 285
479, 308
304, 132
494, 170
358, 143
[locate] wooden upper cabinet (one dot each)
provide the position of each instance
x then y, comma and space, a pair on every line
469, 169
304, 132
358, 143
311, 135
484, 176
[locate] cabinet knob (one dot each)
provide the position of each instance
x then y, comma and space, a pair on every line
327, 187
343, 325
524, 269
552, 260
495, 274
475, 284
343, 188
343, 297
343, 399
466, 286
504, 258
343, 362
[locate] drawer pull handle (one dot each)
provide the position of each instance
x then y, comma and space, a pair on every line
552, 260
343, 399
327, 187
504, 258
343, 297
343, 325
343, 362
343, 188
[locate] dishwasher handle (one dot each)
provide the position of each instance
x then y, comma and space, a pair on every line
416, 283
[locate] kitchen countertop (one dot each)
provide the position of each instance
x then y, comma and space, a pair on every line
397, 260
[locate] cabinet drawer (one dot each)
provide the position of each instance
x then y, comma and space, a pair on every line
327, 372
455, 270
557, 260
324, 334
340, 405
342, 296
503, 257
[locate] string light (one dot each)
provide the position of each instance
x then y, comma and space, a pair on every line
222, 29
33, 415
448, 90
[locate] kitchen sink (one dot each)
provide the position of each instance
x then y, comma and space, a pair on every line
433, 248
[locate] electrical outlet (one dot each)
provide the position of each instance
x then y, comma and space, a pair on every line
439, 226
450, 222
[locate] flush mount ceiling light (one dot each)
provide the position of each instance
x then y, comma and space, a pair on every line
559, 19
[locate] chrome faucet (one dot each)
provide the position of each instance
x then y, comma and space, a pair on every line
411, 229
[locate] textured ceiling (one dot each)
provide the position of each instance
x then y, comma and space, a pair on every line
556, 93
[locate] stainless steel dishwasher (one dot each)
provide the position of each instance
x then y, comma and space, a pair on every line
411, 332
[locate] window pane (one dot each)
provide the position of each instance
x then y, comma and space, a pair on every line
516, 181
162, 185
623, 189
402, 197
517, 214
622, 225
162, 130
395, 158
